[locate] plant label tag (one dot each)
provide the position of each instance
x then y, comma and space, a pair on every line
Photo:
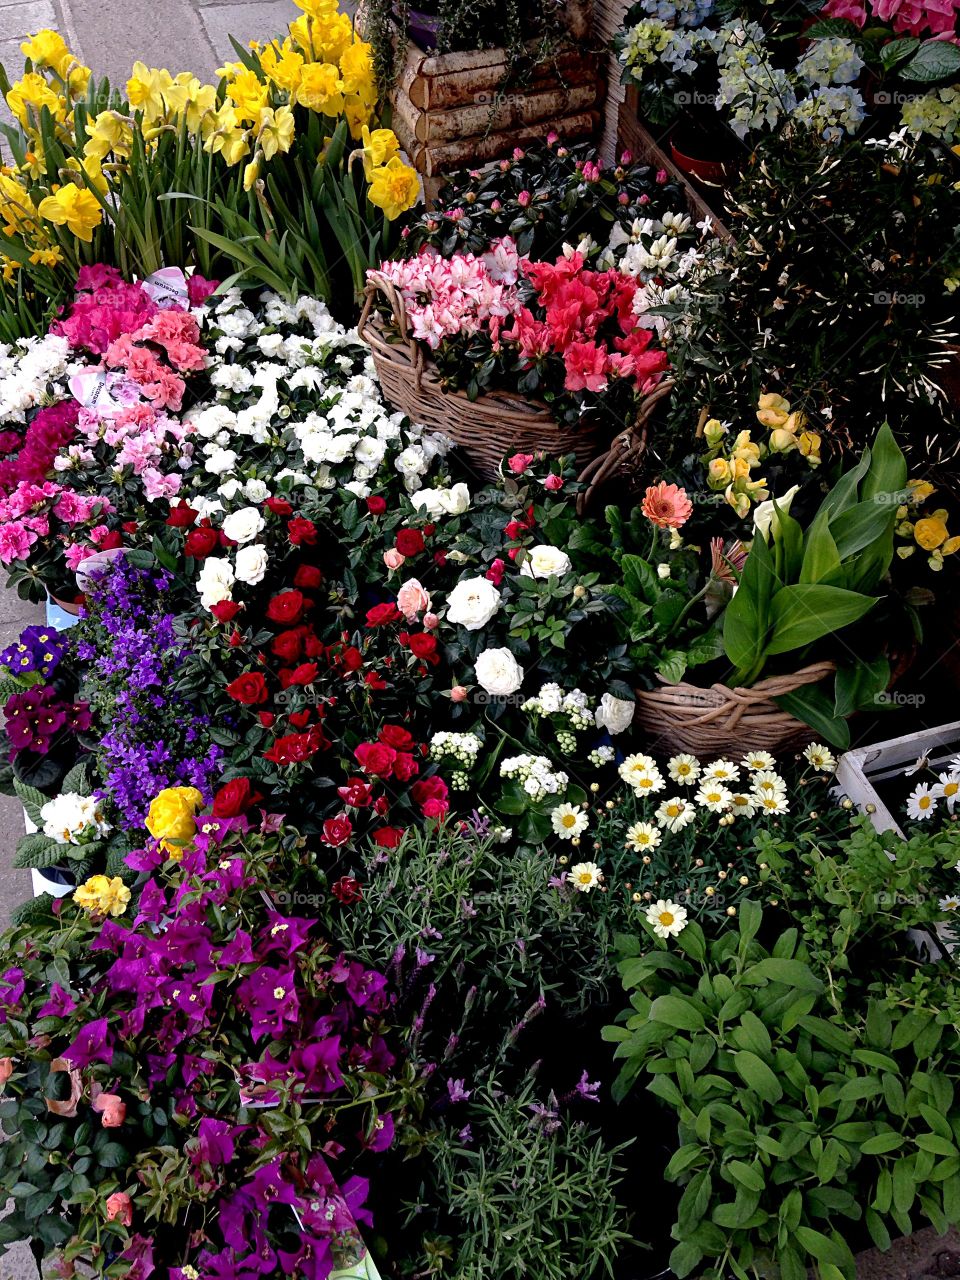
168, 288
94, 391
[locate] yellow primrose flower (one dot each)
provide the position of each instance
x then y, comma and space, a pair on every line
248, 95
394, 187
28, 96
74, 208
930, 532
172, 818
103, 896
920, 490
772, 410
321, 88
275, 131
379, 147
146, 88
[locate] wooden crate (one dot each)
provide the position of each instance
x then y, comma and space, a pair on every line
858, 771
608, 18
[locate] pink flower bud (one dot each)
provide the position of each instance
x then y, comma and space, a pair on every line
6, 1069
431, 621
120, 1208
627, 158
661, 176
459, 693
553, 482
523, 199
393, 559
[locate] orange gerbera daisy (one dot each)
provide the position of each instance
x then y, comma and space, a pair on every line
666, 505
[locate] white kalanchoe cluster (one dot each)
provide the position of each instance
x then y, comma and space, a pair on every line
570, 712
601, 756
536, 775
461, 748
71, 818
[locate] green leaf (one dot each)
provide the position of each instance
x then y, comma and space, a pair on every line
821, 557
812, 706
822, 1247
757, 1076
934, 60
640, 579
803, 613
686, 1257
895, 51
746, 619
793, 973
675, 1011
883, 1143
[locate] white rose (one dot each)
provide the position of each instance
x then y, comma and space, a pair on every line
498, 672
219, 461
454, 501
229, 489
255, 491
472, 603
764, 514
428, 500
614, 714
251, 564
215, 581
243, 525
544, 561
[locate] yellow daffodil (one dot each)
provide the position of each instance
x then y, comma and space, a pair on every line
10, 269
251, 172
145, 90
27, 98
357, 112
47, 49
275, 131
17, 211
200, 106
73, 207
356, 67
283, 68
321, 88
109, 132
379, 147
103, 896
394, 187
249, 95
46, 257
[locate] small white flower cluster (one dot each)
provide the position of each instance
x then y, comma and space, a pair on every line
462, 747
32, 374
601, 756
573, 710
536, 775
666, 256
71, 818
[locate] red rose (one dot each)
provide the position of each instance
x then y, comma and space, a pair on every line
381, 805
301, 531
375, 758
347, 890
266, 718
305, 674
236, 638
295, 748
300, 719
248, 689
313, 647
435, 809
394, 736
181, 517
357, 793
286, 608
288, 645
131, 526
496, 571
429, 529
424, 646
433, 788
111, 540
373, 681
381, 614
376, 505
405, 767
513, 529
279, 506
388, 837
409, 542
234, 798
201, 542
308, 577
225, 611
337, 831
440, 558
351, 658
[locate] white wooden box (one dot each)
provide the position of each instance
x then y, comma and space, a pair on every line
859, 770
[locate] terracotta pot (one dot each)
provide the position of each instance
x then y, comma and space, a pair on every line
68, 606
712, 172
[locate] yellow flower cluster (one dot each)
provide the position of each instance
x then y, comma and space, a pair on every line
927, 531
172, 819
730, 464
103, 896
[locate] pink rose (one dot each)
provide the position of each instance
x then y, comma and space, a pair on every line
459, 693
120, 1208
393, 559
112, 1108
519, 463
412, 599
431, 621
553, 483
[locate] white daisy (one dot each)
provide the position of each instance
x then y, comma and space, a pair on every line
684, 769
675, 814
713, 796
569, 820
666, 918
773, 802
754, 761
768, 783
585, 876
922, 802
948, 788
641, 773
742, 805
724, 771
949, 904
820, 757
642, 837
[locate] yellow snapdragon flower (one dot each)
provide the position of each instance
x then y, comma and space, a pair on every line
394, 187
73, 207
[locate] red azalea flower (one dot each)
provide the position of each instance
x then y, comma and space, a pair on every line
308, 577
279, 506
181, 517
130, 526
395, 736
375, 758
357, 793
376, 505
225, 611
337, 831
234, 798
286, 608
347, 890
201, 542
381, 614
409, 542
301, 530
388, 837
248, 689
110, 541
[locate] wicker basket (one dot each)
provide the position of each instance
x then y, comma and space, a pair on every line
720, 721
497, 423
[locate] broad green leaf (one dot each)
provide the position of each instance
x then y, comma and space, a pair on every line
793, 973
803, 613
934, 60
821, 557
756, 1075
823, 1248
746, 619
677, 1012
812, 706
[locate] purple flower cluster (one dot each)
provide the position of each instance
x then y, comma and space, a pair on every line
153, 738
37, 649
33, 720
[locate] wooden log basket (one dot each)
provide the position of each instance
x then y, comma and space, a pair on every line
497, 423
720, 721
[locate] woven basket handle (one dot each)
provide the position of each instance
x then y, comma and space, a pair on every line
377, 283
627, 444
